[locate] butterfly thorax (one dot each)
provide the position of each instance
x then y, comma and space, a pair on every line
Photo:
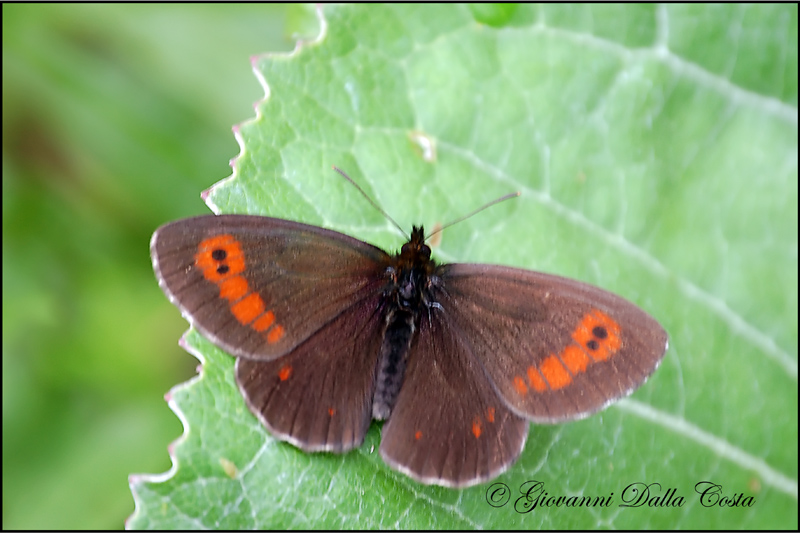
409, 278
411, 271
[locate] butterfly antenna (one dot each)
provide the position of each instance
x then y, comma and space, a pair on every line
372, 203
485, 206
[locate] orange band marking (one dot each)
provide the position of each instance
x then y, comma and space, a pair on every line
599, 347
236, 262
575, 359
490, 415
536, 380
520, 386
275, 334
217, 242
221, 260
233, 288
263, 322
220, 257
248, 308
285, 372
555, 373
596, 338
583, 333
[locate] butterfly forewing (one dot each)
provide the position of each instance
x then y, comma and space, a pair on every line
554, 348
259, 286
449, 426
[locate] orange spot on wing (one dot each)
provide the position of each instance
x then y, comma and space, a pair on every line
285, 372
476, 428
214, 271
601, 347
555, 373
331, 411
418, 435
575, 359
536, 380
205, 250
520, 386
248, 308
205, 262
216, 242
583, 332
233, 288
275, 334
219, 257
263, 322
490, 415
236, 261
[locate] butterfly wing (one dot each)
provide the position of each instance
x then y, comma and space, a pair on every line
555, 349
319, 396
302, 308
448, 426
257, 286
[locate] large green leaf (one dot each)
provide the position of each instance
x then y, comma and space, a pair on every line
656, 151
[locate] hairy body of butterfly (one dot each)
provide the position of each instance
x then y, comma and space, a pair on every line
407, 296
330, 332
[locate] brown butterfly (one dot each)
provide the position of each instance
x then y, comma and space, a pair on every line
330, 332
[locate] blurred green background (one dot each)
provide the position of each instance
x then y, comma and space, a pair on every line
115, 118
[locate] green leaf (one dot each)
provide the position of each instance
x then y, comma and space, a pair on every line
656, 151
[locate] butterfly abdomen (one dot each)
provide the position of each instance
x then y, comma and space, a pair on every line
405, 298
400, 329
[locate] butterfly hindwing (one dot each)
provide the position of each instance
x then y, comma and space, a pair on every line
449, 426
319, 396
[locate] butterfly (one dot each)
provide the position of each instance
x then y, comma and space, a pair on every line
331, 332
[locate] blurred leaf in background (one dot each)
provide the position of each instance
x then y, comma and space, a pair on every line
115, 117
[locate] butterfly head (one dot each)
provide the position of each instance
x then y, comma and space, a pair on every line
415, 251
